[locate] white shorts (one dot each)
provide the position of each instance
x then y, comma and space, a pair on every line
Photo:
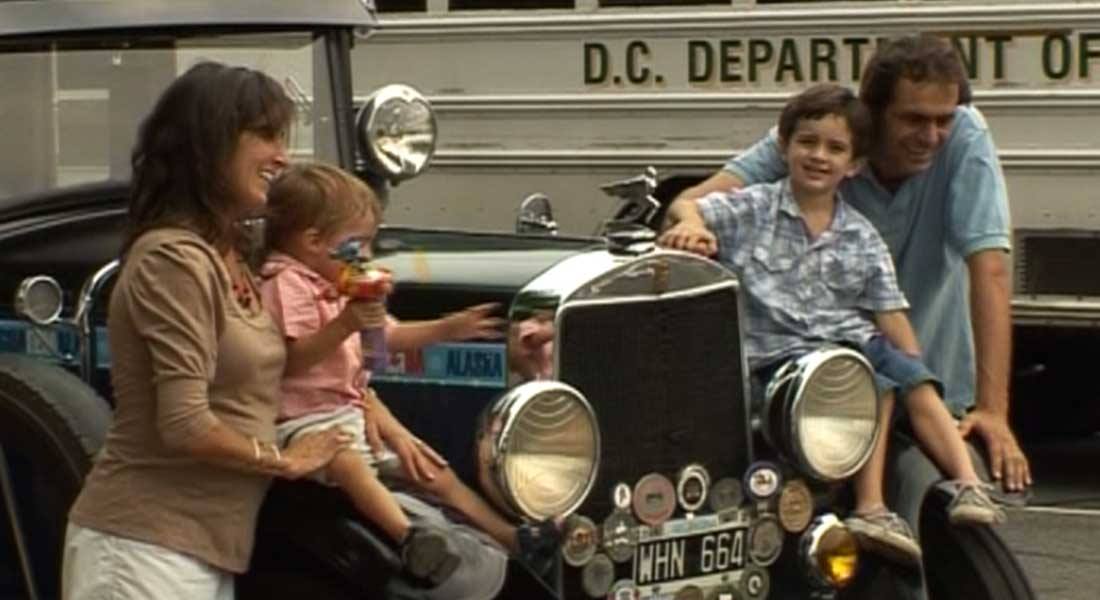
101, 566
349, 419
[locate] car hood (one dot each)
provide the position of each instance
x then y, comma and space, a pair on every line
487, 261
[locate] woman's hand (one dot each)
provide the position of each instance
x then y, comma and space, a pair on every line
309, 452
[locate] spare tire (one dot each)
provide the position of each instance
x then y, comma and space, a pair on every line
51, 426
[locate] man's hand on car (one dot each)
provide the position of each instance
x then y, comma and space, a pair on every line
1007, 460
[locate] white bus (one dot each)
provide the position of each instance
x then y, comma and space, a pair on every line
558, 96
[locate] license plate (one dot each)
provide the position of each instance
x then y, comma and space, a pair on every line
673, 557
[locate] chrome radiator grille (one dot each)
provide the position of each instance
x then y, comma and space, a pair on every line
664, 377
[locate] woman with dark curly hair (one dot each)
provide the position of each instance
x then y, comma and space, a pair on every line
169, 509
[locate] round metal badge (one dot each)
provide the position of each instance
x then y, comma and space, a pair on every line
689, 592
726, 494
796, 506
765, 540
620, 536
762, 480
654, 499
692, 487
623, 589
597, 576
754, 583
724, 592
621, 496
579, 540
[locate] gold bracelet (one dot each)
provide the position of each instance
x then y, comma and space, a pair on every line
275, 451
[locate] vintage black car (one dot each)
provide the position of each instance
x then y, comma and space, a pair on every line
636, 419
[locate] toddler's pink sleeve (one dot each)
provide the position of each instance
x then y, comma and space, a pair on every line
292, 303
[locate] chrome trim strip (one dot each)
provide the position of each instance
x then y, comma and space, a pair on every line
1057, 310
688, 293
82, 318
11, 504
634, 158
899, 16
1086, 99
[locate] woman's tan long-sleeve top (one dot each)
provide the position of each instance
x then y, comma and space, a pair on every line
183, 355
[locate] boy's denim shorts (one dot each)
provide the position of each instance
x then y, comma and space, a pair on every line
896, 371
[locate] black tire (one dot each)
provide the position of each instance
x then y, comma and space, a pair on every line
51, 426
960, 563
971, 563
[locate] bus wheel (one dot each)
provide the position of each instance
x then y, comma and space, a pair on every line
51, 425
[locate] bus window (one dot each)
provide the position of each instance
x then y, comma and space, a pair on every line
385, 6
610, 3
509, 4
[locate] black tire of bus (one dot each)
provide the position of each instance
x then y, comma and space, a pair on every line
51, 426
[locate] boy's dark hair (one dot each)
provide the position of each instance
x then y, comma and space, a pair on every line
185, 144
826, 99
319, 196
918, 58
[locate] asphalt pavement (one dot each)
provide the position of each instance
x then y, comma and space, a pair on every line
1057, 537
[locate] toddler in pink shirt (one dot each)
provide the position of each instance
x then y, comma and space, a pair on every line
313, 210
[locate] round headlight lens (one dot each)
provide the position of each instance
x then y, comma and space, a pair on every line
837, 415
823, 412
542, 449
397, 131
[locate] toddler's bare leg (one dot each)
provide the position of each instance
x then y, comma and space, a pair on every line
350, 471
867, 483
938, 434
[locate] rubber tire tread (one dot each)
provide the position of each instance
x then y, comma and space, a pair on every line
994, 564
66, 409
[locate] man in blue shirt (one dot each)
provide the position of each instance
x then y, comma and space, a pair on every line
934, 189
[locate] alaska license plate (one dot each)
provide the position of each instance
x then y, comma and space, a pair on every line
677, 555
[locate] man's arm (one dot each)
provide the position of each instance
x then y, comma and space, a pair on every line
991, 314
721, 181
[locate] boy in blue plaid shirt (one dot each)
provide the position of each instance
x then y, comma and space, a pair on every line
814, 271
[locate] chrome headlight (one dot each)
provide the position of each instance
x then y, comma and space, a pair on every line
397, 131
821, 411
39, 299
538, 450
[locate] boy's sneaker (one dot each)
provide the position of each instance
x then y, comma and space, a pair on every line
427, 555
973, 506
887, 535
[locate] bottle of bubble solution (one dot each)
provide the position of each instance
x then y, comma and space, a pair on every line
360, 280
